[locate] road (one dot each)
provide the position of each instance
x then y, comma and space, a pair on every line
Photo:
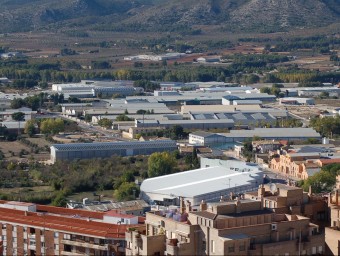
89, 128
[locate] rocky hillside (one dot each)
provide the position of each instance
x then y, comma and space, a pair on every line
167, 15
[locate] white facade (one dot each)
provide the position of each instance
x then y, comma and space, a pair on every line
208, 184
116, 218
21, 206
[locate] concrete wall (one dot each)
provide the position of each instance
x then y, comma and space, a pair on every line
332, 237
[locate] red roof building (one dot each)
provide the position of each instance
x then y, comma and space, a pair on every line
47, 230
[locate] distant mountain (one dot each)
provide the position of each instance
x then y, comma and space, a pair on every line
167, 15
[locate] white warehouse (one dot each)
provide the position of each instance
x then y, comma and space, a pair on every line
209, 184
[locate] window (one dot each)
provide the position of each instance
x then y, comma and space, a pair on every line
212, 246
56, 234
242, 248
204, 245
314, 250
231, 248
320, 249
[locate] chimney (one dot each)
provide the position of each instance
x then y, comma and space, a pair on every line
310, 191
181, 205
231, 195
337, 197
221, 199
203, 206
329, 199
238, 205
261, 191
188, 206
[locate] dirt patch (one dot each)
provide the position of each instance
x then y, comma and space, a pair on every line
19, 152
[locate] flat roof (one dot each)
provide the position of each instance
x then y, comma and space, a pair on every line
274, 132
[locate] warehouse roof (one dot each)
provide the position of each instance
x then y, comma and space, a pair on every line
113, 145
200, 181
274, 132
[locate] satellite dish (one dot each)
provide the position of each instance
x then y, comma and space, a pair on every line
273, 188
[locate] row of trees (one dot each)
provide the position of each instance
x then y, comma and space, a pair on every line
326, 126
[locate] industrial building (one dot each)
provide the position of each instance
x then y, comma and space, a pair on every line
187, 124
107, 149
263, 97
235, 136
297, 101
204, 98
310, 91
30, 229
166, 56
208, 183
247, 118
90, 89
186, 109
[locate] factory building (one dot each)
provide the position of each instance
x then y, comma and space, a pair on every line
234, 136
108, 149
208, 184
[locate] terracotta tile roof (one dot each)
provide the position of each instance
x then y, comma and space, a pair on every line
330, 161
117, 214
66, 211
65, 220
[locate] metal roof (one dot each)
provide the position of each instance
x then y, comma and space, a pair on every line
274, 132
201, 181
113, 145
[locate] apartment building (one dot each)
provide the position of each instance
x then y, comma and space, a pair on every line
332, 233
231, 227
30, 229
302, 165
291, 200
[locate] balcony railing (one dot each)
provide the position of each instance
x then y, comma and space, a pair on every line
86, 245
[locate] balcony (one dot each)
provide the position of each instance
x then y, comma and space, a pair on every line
70, 253
173, 247
86, 245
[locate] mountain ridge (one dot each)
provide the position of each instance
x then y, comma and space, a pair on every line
162, 15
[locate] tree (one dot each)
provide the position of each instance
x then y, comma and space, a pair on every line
60, 199
123, 117
141, 112
177, 132
52, 126
17, 103
160, 163
105, 122
126, 191
18, 116
265, 90
30, 128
